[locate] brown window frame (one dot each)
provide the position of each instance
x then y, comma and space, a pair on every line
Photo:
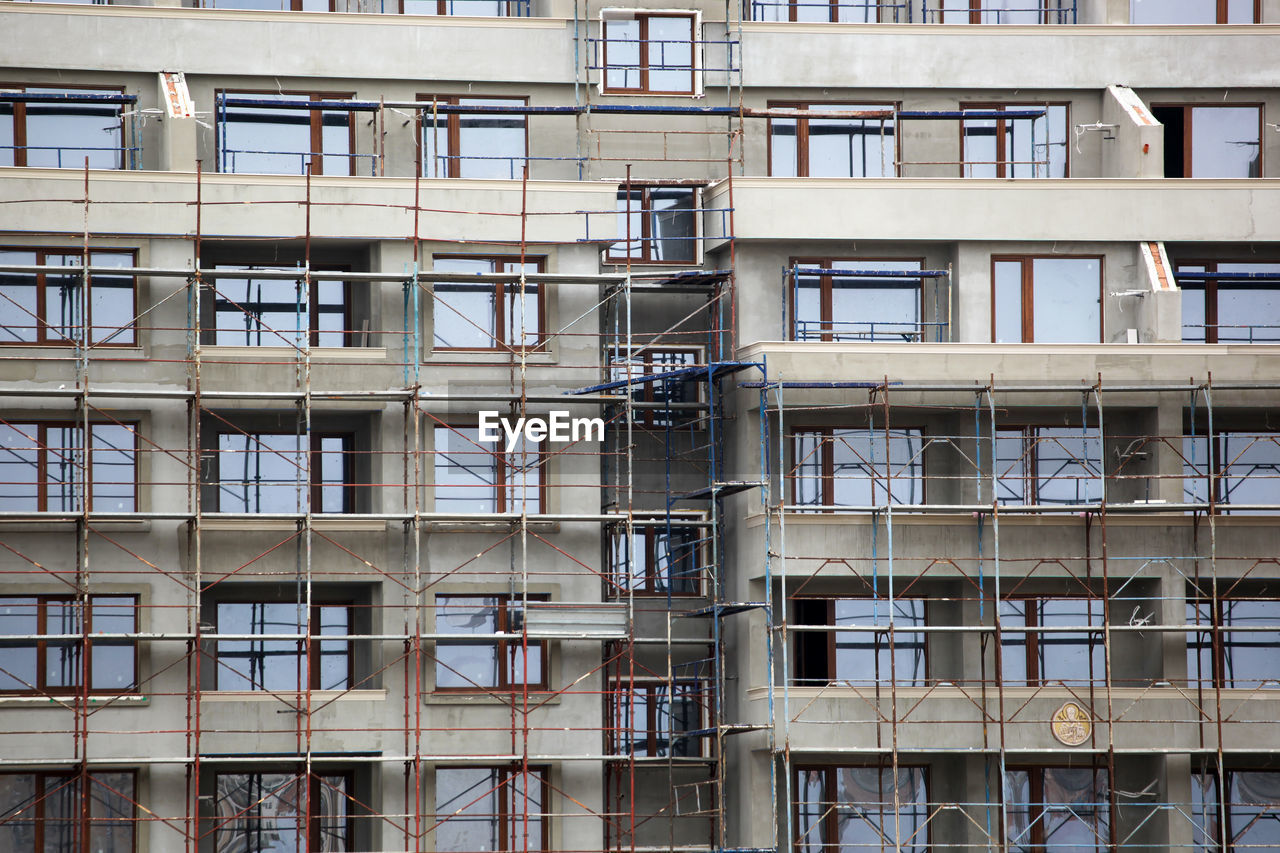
1188, 131
649, 584
453, 126
501, 647
211, 331
42, 324
212, 474
646, 392
20, 120
828, 463
506, 813
1029, 436
831, 815
646, 238
1028, 291
829, 637
793, 12
317, 153
43, 791
1208, 287
642, 17
312, 651
1222, 9
86, 644
501, 467
1035, 678
314, 786
1035, 808
617, 696
1002, 159
826, 286
86, 445
802, 132
500, 301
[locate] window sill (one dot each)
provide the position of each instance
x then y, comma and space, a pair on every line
254, 696
504, 699
115, 700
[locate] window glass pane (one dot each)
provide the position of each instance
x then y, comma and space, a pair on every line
866, 817
1037, 147
1248, 312
1076, 810
491, 146
670, 54
1200, 668
1241, 12
1008, 297
1251, 658
260, 664
114, 468
436, 156
113, 660
1250, 468
811, 807
62, 664
19, 467
524, 662
676, 556
111, 301
1018, 790
1196, 468
950, 11
630, 225
809, 482
470, 665
1225, 142
1067, 293
863, 476
1013, 640
466, 470
335, 142
1067, 465
64, 134
335, 658
1204, 811
258, 812
1254, 800
19, 320
267, 140
672, 224
64, 467
259, 311
525, 814
524, 477
1176, 11
466, 315
18, 667
61, 813
1014, 11
111, 812
7, 151
1074, 657
852, 148
1194, 319
332, 462
332, 310
981, 151
1012, 460
467, 808
809, 324
262, 472
523, 309
63, 304
622, 54
876, 309
863, 657
17, 812
782, 147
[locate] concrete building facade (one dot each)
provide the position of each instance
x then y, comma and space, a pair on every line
932, 346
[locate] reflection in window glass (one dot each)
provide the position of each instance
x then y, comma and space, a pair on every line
487, 662
649, 53
1249, 659
1226, 142
62, 134
858, 467
861, 808
281, 472
285, 140
1245, 470
657, 225
1058, 810
275, 312
1048, 465
475, 476
48, 307
268, 812
864, 657
833, 147
1016, 147
1071, 658
50, 806
283, 664
1253, 801
492, 809
57, 666
485, 314
474, 145
1222, 310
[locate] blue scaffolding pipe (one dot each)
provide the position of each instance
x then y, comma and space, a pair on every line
908, 274
815, 385
66, 97
709, 371
1227, 276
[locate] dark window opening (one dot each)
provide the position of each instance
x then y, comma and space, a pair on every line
1211, 141
861, 657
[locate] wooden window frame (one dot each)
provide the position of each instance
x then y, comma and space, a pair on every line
503, 483
1029, 435
828, 463
315, 444
830, 636
1208, 288
1222, 8
802, 131
1219, 476
85, 446
317, 152
646, 237
1028, 291
20, 119
313, 307
648, 584
1188, 133
42, 778
506, 813
826, 286
453, 127
831, 814
314, 786
1218, 650
501, 647
1035, 678
42, 323
86, 646
642, 17
1035, 808
1002, 159
617, 697
312, 651
500, 301
646, 391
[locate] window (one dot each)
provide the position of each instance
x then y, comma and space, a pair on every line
73, 124
1244, 469
1058, 810
834, 147
1047, 300
1000, 11
273, 312
649, 52
857, 658
861, 808
828, 306
265, 812
1196, 11
662, 559
857, 467
475, 476
1229, 307
285, 664
58, 665
473, 8
1252, 805
473, 144
488, 315
281, 472
655, 719
817, 11
1048, 465
1241, 658
49, 307
1015, 147
1054, 657
658, 225
488, 663
675, 391
43, 467
491, 810
284, 140
1211, 141
44, 811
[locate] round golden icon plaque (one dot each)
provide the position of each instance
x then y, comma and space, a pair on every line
1071, 724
